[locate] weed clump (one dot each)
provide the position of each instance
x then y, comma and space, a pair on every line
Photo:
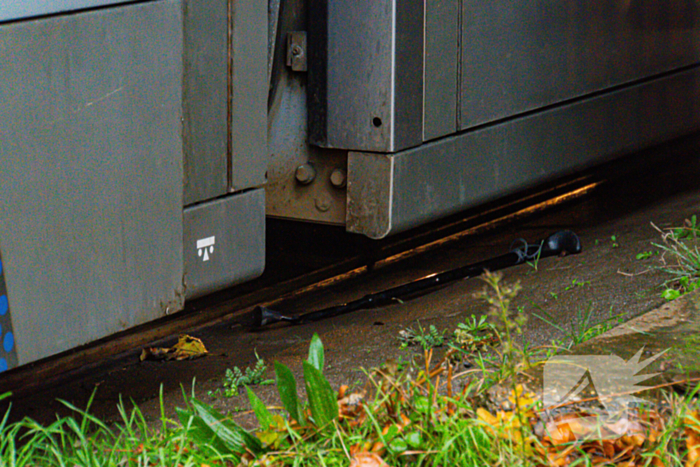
680, 258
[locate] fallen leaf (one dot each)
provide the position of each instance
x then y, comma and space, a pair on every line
367, 459
187, 348
692, 440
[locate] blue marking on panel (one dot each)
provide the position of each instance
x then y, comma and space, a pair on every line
8, 342
8, 350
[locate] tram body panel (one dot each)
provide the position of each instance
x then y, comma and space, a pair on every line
91, 219
143, 143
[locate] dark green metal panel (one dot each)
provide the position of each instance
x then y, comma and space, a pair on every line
204, 99
213, 164
91, 178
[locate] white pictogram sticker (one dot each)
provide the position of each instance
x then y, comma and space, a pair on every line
205, 247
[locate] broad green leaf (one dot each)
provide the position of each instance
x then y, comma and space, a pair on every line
670, 294
322, 399
203, 436
316, 352
261, 413
235, 437
287, 387
398, 445
414, 439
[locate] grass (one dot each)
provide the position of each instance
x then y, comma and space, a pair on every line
581, 328
680, 258
82, 439
433, 414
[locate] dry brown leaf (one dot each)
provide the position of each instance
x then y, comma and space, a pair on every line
187, 348
367, 459
692, 440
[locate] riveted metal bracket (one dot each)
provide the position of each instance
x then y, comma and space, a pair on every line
296, 50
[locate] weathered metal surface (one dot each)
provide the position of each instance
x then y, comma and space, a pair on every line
366, 74
20, 9
210, 171
249, 88
519, 55
224, 242
389, 193
204, 99
296, 51
91, 179
441, 68
316, 199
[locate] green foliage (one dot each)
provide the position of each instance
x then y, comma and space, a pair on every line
235, 378
680, 287
287, 388
322, 400
260, 409
613, 240
690, 229
534, 264
681, 259
577, 283
211, 430
644, 255
474, 334
426, 338
581, 328
509, 325
316, 353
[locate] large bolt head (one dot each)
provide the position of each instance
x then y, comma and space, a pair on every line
305, 174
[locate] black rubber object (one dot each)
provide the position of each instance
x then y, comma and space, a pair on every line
563, 242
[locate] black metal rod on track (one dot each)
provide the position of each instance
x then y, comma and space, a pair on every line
560, 243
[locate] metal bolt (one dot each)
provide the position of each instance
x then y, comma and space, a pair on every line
297, 50
339, 178
305, 174
323, 202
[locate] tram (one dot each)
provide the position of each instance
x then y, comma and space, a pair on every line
143, 143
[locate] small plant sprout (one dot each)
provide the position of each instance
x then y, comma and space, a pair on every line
475, 333
427, 338
582, 328
534, 264
690, 229
235, 378
644, 255
577, 283
613, 239
680, 258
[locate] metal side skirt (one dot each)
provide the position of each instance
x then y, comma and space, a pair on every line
224, 242
388, 193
